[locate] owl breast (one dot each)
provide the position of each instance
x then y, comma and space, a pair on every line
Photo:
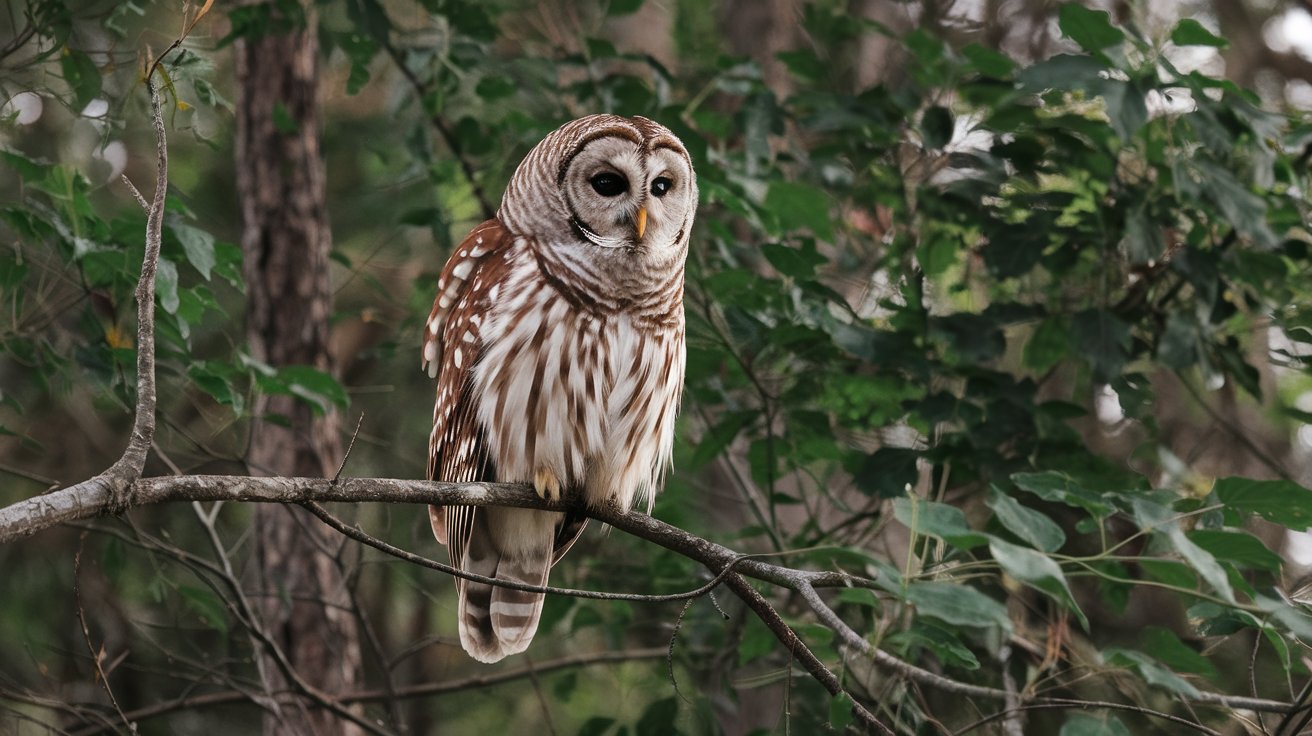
588, 394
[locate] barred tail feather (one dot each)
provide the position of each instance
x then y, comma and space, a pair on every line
496, 622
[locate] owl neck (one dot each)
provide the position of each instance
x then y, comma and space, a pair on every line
644, 286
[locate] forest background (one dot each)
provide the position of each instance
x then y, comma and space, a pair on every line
999, 316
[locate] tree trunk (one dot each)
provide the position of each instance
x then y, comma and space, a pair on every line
286, 242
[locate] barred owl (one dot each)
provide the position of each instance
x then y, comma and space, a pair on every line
557, 342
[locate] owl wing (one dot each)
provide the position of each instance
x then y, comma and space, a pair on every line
457, 447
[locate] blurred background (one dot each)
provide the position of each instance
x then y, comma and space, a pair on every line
904, 280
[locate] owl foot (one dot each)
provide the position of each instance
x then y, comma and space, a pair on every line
546, 484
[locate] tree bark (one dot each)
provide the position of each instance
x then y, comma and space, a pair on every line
286, 243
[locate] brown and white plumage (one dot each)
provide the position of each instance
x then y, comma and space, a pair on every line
557, 342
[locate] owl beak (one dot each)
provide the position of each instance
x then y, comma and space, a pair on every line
641, 221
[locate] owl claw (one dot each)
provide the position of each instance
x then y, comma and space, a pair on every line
546, 484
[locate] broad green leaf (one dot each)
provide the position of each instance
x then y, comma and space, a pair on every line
1177, 655
1047, 345
799, 263
1091, 29
937, 520
198, 245
1190, 32
1159, 518
1152, 671
1030, 525
658, 719
958, 604
840, 711
987, 61
1061, 488
936, 127
1239, 547
798, 206
313, 385
1280, 501
166, 285
1102, 339
1038, 571
1126, 108
82, 76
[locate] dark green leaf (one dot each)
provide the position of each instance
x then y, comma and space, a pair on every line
1177, 655
658, 719
1091, 29
1030, 525
798, 206
82, 76
1281, 501
936, 127
937, 520
1239, 547
1038, 571
958, 604
840, 711
1190, 32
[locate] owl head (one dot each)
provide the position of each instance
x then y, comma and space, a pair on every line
614, 185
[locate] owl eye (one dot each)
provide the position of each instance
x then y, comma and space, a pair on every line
609, 185
661, 186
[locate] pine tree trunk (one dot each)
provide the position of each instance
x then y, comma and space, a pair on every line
286, 242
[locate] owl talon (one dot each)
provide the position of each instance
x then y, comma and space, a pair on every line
546, 484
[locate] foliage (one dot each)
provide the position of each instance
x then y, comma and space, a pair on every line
953, 332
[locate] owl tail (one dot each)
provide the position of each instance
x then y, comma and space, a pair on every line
496, 622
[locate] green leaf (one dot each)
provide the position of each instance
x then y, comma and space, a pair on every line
1030, 525
1087, 724
1104, 341
937, 520
1161, 519
313, 385
1150, 670
1280, 501
1126, 108
596, 726
1061, 488
1238, 547
1190, 32
798, 206
1038, 571
936, 127
206, 605
166, 285
82, 76
658, 718
1177, 655
987, 61
756, 641
840, 711
958, 604
199, 247
1091, 29
1047, 346
623, 7
799, 263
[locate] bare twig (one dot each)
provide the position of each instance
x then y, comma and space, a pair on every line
423, 690
86, 636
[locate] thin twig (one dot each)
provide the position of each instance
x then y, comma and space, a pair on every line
423, 690
86, 635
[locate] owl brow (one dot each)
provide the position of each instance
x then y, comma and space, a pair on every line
616, 132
